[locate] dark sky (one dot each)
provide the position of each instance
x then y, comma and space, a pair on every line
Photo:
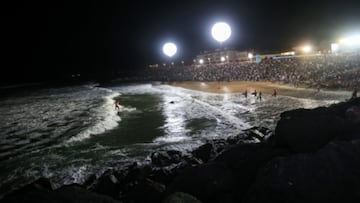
52, 39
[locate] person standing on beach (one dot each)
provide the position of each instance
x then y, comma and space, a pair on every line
275, 93
245, 93
260, 96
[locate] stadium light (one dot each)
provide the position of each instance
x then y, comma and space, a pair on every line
334, 47
201, 61
307, 48
250, 55
222, 59
351, 41
221, 31
169, 49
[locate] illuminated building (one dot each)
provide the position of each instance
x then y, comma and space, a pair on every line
221, 56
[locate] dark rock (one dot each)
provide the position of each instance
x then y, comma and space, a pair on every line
78, 194
162, 175
180, 197
107, 184
330, 175
249, 155
252, 135
207, 182
245, 160
166, 158
305, 130
204, 152
90, 181
145, 191
32, 191
353, 114
67, 194
228, 176
209, 150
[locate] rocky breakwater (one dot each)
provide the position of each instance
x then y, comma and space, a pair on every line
314, 155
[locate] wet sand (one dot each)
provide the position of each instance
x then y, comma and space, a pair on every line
264, 87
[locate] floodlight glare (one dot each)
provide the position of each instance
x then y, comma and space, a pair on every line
250, 55
351, 41
201, 61
221, 31
307, 48
169, 49
222, 59
334, 47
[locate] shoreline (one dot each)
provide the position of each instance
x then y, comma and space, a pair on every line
250, 86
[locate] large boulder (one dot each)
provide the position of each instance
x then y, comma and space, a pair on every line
66, 194
307, 130
145, 190
163, 158
207, 182
228, 176
330, 175
303, 130
180, 197
209, 150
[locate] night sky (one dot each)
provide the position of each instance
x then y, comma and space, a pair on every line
44, 40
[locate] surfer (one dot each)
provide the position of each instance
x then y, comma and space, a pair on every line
117, 106
254, 93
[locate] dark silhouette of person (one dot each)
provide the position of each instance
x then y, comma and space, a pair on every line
274, 93
245, 93
254, 93
260, 96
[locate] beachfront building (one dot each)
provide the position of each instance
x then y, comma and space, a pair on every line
222, 56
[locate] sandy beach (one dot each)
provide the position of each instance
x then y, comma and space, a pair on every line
264, 87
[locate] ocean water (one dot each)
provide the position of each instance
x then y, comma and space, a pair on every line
67, 134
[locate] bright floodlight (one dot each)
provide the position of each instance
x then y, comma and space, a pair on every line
351, 41
334, 47
201, 61
169, 49
222, 59
221, 31
250, 55
307, 48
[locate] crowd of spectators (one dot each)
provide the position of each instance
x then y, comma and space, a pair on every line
319, 71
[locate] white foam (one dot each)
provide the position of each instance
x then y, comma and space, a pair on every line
240, 124
171, 139
107, 120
